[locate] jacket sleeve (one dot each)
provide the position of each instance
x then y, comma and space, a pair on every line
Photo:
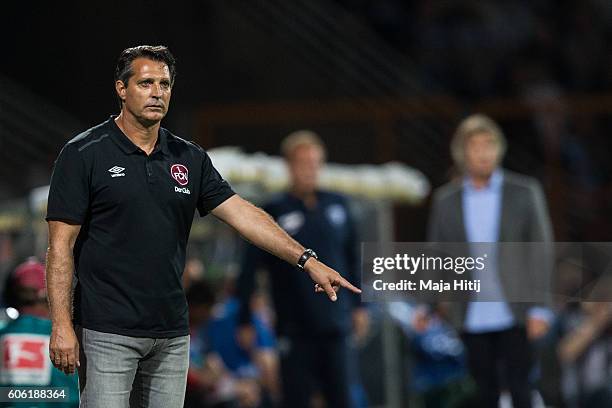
540, 232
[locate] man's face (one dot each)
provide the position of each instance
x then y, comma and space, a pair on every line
305, 164
481, 154
147, 94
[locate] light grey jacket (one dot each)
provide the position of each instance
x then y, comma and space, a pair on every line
524, 218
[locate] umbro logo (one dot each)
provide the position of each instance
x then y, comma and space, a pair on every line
117, 171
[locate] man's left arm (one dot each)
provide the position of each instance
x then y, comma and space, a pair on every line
256, 226
541, 233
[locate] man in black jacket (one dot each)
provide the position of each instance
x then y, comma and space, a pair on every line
313, 337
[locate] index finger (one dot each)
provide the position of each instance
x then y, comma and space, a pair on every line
346, 284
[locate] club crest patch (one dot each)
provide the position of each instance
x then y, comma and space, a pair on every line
180, 174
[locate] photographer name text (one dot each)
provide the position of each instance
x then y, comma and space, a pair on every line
428, 285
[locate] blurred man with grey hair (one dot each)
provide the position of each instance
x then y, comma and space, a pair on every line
490, 204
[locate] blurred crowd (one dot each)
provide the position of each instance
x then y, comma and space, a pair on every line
573, 367
478, 49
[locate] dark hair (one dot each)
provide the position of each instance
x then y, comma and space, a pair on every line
123, 70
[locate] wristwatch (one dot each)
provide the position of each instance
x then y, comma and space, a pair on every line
309, 253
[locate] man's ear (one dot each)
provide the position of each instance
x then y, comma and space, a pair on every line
121, 89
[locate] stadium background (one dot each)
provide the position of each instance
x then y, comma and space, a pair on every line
379, 80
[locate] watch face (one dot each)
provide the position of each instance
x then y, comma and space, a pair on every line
309, 253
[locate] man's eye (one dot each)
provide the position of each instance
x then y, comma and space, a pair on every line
145, 84
165, 85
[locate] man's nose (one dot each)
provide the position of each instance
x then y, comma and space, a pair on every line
156, 90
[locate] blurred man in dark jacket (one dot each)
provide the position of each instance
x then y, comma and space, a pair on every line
312, 336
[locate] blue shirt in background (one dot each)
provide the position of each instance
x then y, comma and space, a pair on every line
220, 335
482, 215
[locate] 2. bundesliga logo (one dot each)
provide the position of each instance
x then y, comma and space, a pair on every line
180, 174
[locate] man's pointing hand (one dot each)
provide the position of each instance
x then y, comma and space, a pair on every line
326, 279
